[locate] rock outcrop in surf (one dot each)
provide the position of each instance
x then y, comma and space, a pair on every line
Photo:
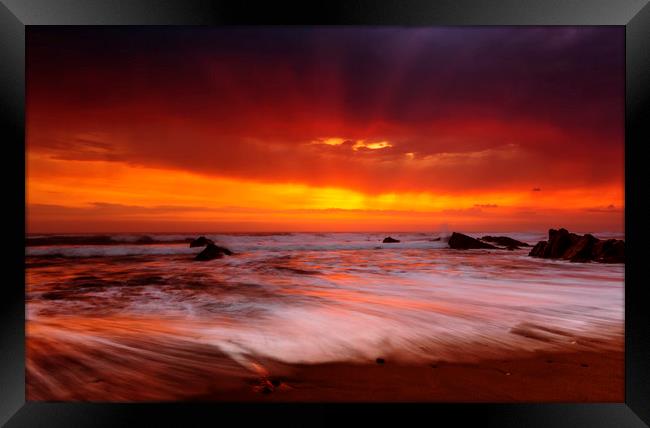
504, 241
201, 241
459, 241
564, 245
211, 252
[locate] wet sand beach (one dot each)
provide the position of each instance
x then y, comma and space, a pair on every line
204, 374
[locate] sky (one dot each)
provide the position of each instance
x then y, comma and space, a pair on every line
234, 129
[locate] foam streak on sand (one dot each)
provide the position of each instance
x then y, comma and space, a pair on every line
296, 299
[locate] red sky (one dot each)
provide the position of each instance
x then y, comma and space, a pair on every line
260, 129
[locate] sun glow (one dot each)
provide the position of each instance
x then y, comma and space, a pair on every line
354, 144
331, 141
361, 144
118, 192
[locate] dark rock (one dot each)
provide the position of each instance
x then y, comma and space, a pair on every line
582, 250
212, 251
145, 240
568, 246
380, 361
538, 249
504, 241
264, 386
559, 241
609, 251
458, 241
201, 241
390, 240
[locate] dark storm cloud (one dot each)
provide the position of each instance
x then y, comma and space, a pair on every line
234, 101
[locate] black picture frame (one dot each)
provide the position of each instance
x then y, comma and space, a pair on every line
16, 15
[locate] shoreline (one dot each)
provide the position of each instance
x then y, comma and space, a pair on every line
542, 376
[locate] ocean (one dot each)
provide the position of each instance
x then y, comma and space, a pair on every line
307, 298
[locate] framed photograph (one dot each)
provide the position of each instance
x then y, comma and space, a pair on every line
418, 209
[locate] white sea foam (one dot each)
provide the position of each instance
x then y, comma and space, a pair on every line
331, 297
